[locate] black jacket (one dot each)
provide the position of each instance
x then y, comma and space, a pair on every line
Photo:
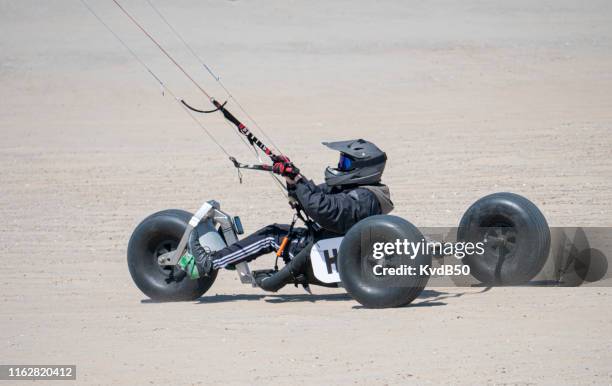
337, 209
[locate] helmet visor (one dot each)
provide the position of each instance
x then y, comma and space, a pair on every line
345, 163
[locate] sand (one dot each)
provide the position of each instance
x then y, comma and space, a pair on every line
467, 98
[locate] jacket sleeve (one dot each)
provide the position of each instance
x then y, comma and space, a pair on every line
336, 212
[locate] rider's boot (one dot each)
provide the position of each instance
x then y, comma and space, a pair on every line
197, 261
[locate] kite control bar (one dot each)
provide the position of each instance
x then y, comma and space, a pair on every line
240, 165
282, 164
253, 140
287, 169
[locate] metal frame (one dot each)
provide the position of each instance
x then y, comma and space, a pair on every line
210, 210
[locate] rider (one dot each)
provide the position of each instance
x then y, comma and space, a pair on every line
351, 192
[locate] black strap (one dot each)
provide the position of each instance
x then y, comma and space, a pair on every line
219, 107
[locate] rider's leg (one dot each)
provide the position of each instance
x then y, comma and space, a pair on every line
265, 240
203, 261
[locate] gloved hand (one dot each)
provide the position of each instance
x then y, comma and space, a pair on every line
285, 167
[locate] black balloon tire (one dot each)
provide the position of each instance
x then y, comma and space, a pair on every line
155, 282
531, 245
379, 292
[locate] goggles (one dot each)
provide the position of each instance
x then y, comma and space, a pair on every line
345, 163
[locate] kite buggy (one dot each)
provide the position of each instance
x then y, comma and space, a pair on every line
175, 255
517, 248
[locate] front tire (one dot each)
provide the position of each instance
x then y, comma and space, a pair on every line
155, 235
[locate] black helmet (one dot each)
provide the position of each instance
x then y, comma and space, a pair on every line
361, 163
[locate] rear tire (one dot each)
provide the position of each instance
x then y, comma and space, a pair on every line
155, 235
517, 239
356, 263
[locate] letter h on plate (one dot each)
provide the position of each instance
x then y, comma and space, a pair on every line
330, 259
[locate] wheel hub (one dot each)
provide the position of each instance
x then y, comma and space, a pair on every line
164, 248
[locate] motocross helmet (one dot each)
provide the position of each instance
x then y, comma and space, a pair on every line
361, 163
